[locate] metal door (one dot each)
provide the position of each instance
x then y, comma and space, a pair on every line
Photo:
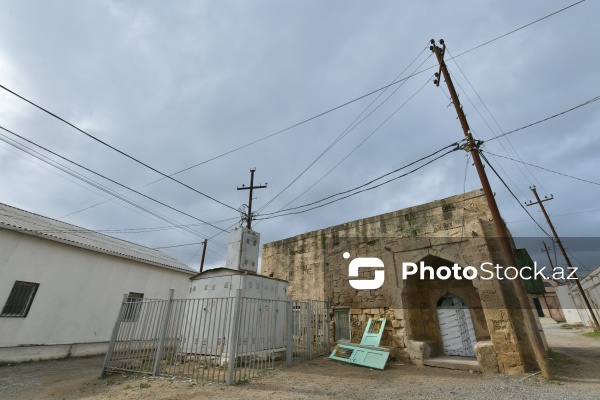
456, 327
341, 318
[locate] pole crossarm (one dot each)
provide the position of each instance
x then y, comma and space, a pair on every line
251, 188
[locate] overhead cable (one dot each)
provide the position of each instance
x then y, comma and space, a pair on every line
545, 169
363, 190
546, 119
511, 192
108, 179
114, 148
352, 126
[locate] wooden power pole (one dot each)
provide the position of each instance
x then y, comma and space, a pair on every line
251, 188
595, 324
472, 146
547, 251
203, 254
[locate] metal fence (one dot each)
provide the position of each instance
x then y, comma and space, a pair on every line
217, 339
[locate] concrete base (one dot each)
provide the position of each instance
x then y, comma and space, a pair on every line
454, 362
49, 352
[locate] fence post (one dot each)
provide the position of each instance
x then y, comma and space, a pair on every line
233, 339
163, 333
113, 337
309, 330
289, 321
327, 322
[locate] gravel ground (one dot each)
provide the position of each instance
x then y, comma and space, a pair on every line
576, 362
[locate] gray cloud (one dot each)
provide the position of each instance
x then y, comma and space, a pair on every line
175, 84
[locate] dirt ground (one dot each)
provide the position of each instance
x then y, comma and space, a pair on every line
575, 359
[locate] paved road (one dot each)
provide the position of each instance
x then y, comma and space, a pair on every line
571, 341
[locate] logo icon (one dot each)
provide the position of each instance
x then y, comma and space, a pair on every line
365, 262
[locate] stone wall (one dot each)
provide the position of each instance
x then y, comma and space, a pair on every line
458, 230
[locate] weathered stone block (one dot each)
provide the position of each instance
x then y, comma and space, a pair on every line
418, 351
486, 356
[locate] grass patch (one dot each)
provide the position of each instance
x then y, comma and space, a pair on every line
571, 326
243, 381
144, 385
592, 334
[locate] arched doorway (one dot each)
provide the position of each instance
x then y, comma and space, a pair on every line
456, 326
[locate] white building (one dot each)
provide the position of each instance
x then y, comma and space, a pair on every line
574, 307
61, 286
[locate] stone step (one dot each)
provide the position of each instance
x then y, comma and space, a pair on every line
454, 362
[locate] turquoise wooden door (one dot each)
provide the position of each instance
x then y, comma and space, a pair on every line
373, 332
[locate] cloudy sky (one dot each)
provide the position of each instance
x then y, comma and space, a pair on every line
174, 84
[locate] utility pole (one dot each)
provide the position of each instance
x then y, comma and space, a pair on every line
473, 147
203, 254
595, 324
547, 250
251, 188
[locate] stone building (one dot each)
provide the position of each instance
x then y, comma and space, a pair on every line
427, 318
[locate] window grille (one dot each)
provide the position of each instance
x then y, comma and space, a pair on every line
132, 311
20, 299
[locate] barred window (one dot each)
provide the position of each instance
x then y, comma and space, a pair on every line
132, 310
20, 299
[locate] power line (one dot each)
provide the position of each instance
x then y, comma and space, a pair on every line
299, 123
545, 169
325, 112
360, 144
108, 179
360, 191
511, 192
97, 185
177, 245
557, 215
415, 73
455, 145
485, 121
372, 92
518, 29
114, 148
350, 127
495, 121
546, 119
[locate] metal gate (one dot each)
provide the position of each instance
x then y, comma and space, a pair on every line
217, 339
456, 327
310, 329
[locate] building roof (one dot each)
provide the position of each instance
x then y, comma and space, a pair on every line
15, 219
224, 271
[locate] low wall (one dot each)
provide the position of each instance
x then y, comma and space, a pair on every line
49, 352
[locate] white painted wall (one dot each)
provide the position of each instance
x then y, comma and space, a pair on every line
574, 306
80, 291
568, 306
